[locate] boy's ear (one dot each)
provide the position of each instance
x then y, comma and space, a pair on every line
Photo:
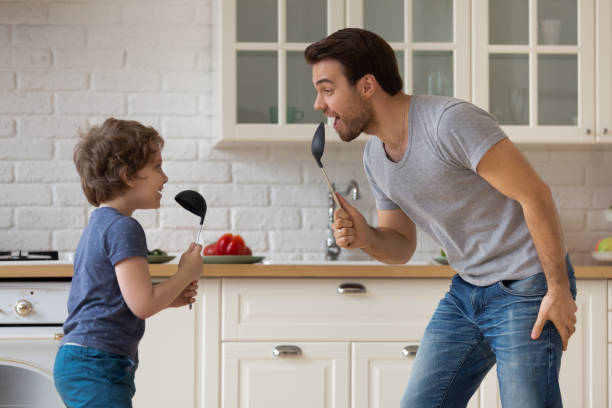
124, 177
367, 85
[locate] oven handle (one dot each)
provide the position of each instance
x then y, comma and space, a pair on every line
31, 333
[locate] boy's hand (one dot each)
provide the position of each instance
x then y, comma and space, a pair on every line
190, 264
187, 296
350, 227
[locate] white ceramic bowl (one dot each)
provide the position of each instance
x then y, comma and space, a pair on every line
608, 215
602, 256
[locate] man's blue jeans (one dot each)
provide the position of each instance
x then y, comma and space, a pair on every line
475, 327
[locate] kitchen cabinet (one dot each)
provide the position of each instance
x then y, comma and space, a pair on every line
430, 39
609, 371
376, 324
603, 92
535, 62
583, 367
343, 342
326, 326
380, 372
537, 65
265, 88
300, 374
166, 375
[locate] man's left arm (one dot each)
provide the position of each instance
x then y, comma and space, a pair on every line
509, 172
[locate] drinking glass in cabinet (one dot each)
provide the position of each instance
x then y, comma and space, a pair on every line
557, 22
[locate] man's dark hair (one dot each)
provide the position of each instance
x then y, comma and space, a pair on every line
360, 52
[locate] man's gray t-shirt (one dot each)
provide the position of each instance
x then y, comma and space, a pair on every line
483, 232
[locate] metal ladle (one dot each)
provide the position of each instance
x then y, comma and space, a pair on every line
317, 147
193, 202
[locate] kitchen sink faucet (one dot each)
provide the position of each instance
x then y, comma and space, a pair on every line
331, 249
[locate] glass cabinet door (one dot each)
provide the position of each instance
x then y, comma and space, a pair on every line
604, 71
267, 85
430, 39
532, 67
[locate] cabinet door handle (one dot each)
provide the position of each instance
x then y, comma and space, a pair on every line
285, 351
605, 131
351, 288
410, 350
588, 131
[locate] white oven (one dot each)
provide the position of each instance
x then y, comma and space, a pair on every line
31, 318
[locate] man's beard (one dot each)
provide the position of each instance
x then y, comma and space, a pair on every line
354, 127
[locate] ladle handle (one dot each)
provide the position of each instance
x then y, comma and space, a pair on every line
331, 189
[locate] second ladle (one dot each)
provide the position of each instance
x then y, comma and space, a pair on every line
317, 147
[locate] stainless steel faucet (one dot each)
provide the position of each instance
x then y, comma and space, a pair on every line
331, 249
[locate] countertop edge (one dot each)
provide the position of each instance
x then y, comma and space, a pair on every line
286, 271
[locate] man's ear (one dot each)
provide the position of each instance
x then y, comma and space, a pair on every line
367, 85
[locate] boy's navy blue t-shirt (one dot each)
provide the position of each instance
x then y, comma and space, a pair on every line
98, 316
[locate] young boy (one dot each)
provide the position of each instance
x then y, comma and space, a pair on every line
120, 166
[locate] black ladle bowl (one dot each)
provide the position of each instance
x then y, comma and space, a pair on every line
193, 202
318, 144
317, 147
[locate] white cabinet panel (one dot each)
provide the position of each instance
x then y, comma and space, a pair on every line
603, 91
583, 382
166, 374
582, 379
312, 309
253, 377
380, 374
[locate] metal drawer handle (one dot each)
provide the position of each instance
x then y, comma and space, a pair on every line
285, 351
410, 350
345, 288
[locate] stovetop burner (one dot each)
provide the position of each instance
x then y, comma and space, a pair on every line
29, 256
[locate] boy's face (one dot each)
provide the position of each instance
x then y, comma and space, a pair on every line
340, 100
146, 188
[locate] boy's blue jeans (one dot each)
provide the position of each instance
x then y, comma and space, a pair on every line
475, 327
88, 377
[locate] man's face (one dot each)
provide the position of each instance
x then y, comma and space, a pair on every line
340, 100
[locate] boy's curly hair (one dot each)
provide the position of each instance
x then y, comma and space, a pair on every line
109, 156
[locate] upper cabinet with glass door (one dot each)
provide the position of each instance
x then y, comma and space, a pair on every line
430, 39
266, 91
534, 68
603, 90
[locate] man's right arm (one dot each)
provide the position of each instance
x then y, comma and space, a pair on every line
392, 242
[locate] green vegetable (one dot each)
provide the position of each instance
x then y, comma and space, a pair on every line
157, 252
442, 253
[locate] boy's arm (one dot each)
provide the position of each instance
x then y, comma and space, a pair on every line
507, 170
145, 299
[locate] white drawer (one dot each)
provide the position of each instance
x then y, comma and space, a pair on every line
312, 309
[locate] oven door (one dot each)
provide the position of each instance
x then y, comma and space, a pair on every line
27, 355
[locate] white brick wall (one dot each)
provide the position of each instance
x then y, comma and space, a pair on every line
65, 66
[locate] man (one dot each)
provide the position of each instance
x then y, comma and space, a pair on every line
445, 165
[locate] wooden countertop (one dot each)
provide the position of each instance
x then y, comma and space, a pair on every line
284, 270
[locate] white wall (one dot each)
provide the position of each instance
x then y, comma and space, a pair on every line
67, 65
